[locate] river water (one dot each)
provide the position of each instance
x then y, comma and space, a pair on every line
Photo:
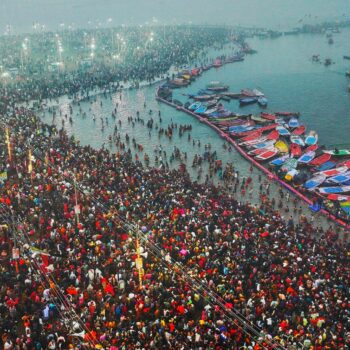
282, 69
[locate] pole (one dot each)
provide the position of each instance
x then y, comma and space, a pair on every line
139, 263
8, 142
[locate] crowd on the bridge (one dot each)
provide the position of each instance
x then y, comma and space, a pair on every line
245, 277
98, 59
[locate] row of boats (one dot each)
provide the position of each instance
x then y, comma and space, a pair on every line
280, 142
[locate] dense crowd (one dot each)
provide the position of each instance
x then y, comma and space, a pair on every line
97, 59
207, 258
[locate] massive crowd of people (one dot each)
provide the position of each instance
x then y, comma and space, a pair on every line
85, 60
217, 273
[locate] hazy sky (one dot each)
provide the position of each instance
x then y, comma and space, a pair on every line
273, 13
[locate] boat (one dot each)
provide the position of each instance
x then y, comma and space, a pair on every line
247, 101
264, 144
346, 57
312, 138
194, 106
241, 128
341, 178
334, 189
262, 101
247, 93
293, 123
288, 114
326, 166
295, 150
336, 171
311, 148
200, 110
338, 197
297, 140
306, 157
267, 154
258, 93
217, 86
268, 116
258, 151
299, 130
320, 160
256, 134
273, 135
282, 130
259, 119
315, 181
203, 97
347, 73
338, 152
279, 161
262, 129
281, 146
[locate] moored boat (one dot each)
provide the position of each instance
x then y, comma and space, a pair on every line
262, 101
315, 181
298, 140
281, 146
334, 189
293, 122
306, 157
338, 152
267, 154
295, 150
299, 130
247, 101
320, 160
312, 138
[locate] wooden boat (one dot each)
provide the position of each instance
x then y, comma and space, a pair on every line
200, 110
217, 86
320, 160
267, 154
338, 197
253, 141
273, 135
256, 134
326, 166
288, 114
258, 151
268, 116
311, 148
299, 130
203, 97
259, 119
306, 157
282, 130
334, 189
264, 144
281, 146
295, 150
262, 129
312, 138
293, 122
280, 161
297, 140
247, 101
262, 101
315, 181
341, 178
336, 171
194, 106
338, 152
